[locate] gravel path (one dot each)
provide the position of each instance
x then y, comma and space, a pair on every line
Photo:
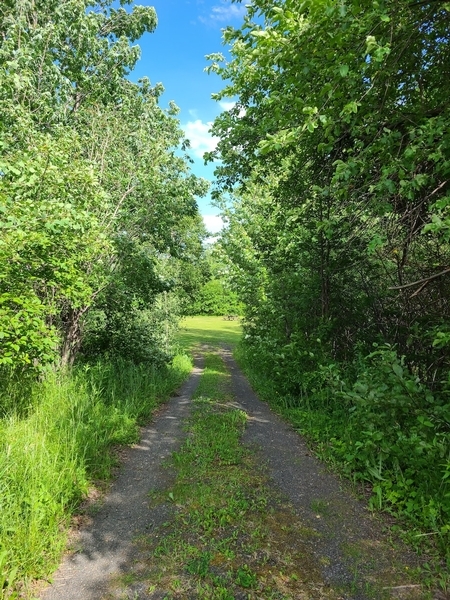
347, 541
106, 547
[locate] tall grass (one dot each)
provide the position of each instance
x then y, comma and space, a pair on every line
50, 456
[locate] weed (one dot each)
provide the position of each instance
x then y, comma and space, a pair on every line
7, 578
320, 507
245, 577
199, 565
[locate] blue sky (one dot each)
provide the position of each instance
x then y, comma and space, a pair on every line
175, 56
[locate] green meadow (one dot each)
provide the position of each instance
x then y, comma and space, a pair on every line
209, 330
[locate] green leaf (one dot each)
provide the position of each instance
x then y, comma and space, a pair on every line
397, 370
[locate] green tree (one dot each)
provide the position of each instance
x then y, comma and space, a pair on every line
91, 190
335, 181
214, 296
343, 104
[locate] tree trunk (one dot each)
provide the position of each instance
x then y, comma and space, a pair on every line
72, 336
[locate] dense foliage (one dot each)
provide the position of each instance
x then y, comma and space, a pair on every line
96, 208
215, 297
335, 181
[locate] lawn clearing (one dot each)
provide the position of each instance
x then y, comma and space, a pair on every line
209, 330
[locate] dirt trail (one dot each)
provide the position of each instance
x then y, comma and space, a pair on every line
106, 546
347, 542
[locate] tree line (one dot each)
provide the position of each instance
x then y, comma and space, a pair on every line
98, 215
101, 250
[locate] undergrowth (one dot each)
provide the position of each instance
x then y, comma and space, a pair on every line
56, 445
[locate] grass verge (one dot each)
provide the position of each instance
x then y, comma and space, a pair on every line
50, 457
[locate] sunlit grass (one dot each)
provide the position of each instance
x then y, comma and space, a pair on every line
50, 458
208, 330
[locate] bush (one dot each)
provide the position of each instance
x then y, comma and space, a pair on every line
397, 429
132, 336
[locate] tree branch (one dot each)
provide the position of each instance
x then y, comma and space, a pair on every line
129, 191
419, 281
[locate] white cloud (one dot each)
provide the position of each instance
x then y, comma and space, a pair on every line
224, 12
227, 105
198, 134
213, 223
